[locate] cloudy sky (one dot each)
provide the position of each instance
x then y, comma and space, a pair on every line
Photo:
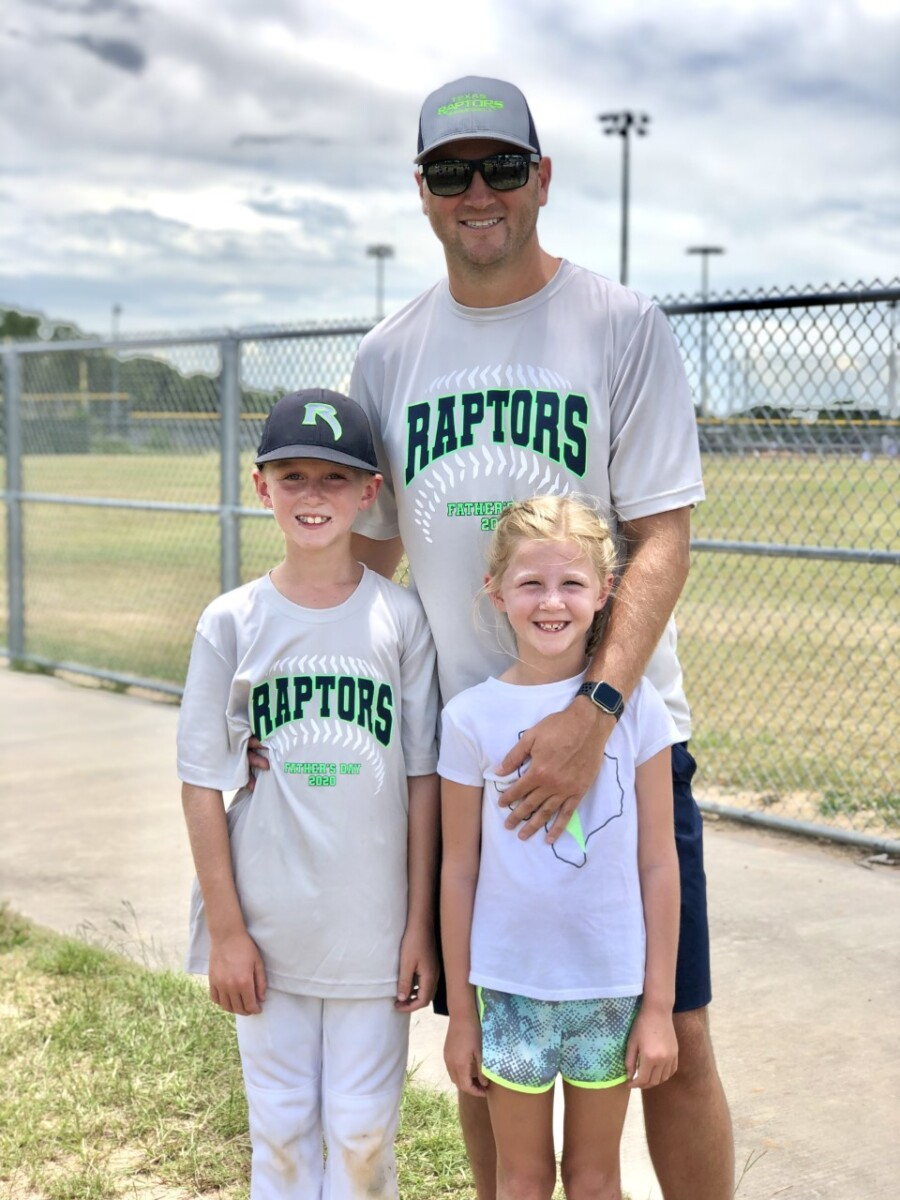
203, 163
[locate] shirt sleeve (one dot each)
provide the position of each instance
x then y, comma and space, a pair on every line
380, 520
212, 740
655, 729
460, 758
654, 463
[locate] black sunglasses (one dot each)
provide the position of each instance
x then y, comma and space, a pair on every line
502, 172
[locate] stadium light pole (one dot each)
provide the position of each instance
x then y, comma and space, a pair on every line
114, 329
379, 252
704, 252
893, 410
624, 124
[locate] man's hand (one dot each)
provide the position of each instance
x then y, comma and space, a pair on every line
237, 977
462, 1055
565, 751
652, 1053
258, 759
418, 976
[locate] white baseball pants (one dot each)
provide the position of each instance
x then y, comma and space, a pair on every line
331, 1069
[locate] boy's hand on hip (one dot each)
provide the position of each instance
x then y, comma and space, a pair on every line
257, 760
237, 977
565, 750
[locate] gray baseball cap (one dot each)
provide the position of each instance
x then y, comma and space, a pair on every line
476, 107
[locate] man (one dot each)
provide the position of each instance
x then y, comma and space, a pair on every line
519, 374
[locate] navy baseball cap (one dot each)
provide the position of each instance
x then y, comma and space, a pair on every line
476, 107
316, 423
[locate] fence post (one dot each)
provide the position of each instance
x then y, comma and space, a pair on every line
230, 464
15, 548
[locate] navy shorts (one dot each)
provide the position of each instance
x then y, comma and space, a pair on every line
693, 983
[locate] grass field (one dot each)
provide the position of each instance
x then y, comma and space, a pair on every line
790, 663
120, 1081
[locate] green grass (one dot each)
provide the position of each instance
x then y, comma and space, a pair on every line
788, 662
117, 1077
769, 651
836, 500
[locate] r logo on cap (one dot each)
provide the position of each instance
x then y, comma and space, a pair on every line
323, 412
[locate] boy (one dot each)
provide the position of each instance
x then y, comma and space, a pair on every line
313, 909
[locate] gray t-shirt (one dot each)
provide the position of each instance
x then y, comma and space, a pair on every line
577, 389
345, 700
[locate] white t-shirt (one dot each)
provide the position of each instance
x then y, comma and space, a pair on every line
577, 389
345, 700
560, 922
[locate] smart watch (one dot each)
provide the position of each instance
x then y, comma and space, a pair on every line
605, 696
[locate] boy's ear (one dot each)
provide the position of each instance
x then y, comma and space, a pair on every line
262, 487
370, 491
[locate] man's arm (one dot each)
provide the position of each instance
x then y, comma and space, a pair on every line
566, 749
383, 557
418, 958
237, 977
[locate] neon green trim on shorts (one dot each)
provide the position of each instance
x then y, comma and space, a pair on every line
580, 1083
517, 1087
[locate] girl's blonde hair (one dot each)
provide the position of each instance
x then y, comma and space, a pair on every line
554, 519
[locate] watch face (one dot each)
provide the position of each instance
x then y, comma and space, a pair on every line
607, 697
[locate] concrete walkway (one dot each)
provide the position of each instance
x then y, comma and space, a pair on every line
806, 939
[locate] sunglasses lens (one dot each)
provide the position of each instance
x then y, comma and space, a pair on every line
504, 172
448, 178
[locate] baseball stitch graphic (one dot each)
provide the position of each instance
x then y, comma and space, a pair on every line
440, 480
328, 733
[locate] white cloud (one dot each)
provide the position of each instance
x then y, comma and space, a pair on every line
204, 164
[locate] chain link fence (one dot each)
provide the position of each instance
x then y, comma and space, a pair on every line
129, 505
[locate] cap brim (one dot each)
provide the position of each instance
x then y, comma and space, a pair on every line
327, 455
474, 137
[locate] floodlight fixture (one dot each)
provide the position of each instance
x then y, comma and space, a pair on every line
623, 124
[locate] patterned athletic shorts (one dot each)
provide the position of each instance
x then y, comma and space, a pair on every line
526, 1043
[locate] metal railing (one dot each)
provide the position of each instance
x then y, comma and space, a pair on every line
129, 506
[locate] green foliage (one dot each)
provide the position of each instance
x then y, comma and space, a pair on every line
18, 327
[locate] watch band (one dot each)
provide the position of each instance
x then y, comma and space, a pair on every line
607, 698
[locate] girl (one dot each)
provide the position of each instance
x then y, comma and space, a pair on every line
559, 959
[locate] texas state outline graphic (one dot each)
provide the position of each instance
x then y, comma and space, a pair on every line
603, 803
